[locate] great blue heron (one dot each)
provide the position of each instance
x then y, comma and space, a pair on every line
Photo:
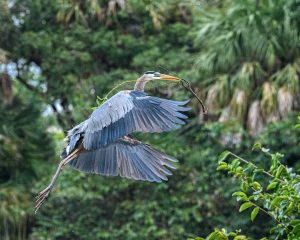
102, 144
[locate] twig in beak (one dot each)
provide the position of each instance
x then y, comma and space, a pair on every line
186, 84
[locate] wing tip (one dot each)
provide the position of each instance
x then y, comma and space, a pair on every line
184, 102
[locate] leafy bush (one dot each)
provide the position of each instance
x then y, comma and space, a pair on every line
273, 191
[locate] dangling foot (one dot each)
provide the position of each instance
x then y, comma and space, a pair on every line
43, 195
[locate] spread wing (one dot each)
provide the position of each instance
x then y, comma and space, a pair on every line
131, 111
128, 158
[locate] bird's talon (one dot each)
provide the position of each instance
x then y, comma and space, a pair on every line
41, 197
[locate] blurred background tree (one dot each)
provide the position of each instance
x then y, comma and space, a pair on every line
251, 52
56, 57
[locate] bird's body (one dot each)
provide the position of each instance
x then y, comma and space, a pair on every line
102, 144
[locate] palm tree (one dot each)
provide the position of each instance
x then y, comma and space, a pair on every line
78, 10
250, 59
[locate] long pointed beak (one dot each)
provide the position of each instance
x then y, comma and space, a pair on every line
168, 77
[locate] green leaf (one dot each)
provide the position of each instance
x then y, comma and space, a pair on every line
275, 202
254, 213
295, 222
290, 207
256, 186
256, 146
272, 185
296, 229
240, 237
223, 155
217, 235
244, 186
279, 171
258, 170
245, 206
235, 162
240, 196
222, 167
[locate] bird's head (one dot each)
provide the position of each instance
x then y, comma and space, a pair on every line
151, 75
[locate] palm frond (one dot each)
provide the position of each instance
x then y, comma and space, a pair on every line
251, 43
269, 105
250, 75
238, 105
218, 94
285, 99
288, 76
254, 119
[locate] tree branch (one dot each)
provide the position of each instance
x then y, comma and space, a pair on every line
30, 87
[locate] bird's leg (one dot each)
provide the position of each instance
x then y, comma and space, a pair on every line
43, 195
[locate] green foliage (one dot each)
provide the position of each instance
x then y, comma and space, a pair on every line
195, 200
298, 124
63, 54
24, 143
251, 43
223, 235
273, 191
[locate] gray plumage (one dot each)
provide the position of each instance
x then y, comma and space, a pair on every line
131, 111
127, 158
110, 151
125, 113
101, 144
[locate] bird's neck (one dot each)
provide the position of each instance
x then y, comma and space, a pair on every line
140, 85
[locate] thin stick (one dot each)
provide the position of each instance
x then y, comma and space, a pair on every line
247, 162
162, 67
186, 84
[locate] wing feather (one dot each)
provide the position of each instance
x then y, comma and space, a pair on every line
131, 111
128, 158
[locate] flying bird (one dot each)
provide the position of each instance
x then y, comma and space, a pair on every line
102, 144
